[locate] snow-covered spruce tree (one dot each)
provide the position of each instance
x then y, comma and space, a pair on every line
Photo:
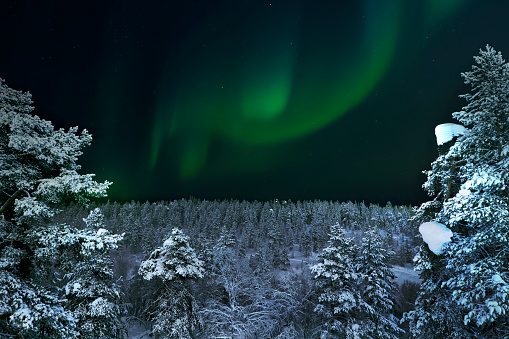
472, 274
435, 315
376, 288
38, 172
339, 301
90, 292
175, 264
479, 212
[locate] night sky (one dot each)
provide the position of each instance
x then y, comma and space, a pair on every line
251, 100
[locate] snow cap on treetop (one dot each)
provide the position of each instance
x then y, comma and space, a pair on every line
446, 132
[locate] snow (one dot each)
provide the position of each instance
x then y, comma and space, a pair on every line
175, 259
25, 317
297, 259
483, 178
76, 287
101, 232
446, 132
464, 192
436, 235
505, 150
497, 279
407, 272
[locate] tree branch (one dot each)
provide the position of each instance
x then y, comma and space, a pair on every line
10, 200
16, 194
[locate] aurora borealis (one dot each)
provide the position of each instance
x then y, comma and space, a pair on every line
262, 93
296, 100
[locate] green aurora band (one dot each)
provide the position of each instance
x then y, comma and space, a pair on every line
276, 88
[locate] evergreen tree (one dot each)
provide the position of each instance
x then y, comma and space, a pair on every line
376, 287
91, 294
339, 301
479, 213
226, 239
474, 270
38, 173
175, 264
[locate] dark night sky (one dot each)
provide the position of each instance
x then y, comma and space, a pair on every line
295, 99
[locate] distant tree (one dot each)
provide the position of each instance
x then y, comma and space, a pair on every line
175, 264
38, 173
261, 262
320, 224
405, 253
306, 245
128, 220
226, 239
276, 245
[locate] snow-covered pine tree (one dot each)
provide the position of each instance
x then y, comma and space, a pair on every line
479, 212
376, 288
435, 315
339, 301
92, 296
174, 264
38, 172
226, 239
471, 277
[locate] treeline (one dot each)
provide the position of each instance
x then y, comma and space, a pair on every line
257, 257
253, 225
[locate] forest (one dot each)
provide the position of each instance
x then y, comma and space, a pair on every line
256, 257
74, 265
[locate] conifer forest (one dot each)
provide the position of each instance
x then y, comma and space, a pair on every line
76, 265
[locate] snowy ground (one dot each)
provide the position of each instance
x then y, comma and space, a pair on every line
297, 259
405, 273
137, 330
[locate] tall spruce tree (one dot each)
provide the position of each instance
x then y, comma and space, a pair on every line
465, 290
175, 264
38, 173
91, 293
376, 288
339, 301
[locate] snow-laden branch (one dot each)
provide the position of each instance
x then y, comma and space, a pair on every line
436, 235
